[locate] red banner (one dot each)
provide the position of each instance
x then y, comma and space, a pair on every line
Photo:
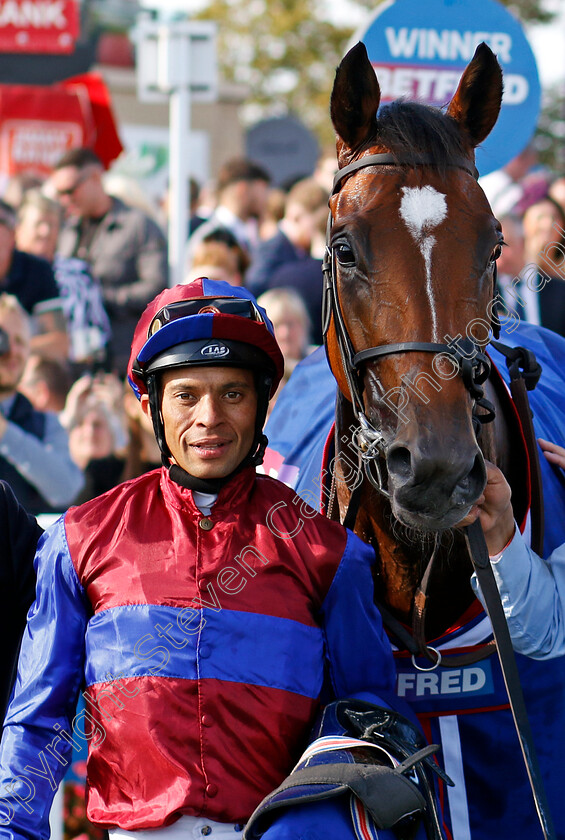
106, 142
39, 124
38, 26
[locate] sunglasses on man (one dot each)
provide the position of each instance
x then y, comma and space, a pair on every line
70, 190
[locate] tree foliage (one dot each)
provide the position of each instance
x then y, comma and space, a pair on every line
530, 11
525, 10
550, 133
285, 53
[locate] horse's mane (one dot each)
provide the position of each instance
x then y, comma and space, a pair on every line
411, 130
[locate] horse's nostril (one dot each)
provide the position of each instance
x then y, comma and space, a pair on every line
478, 475
472, 485
399, 463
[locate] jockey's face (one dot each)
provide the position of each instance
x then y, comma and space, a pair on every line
209, 417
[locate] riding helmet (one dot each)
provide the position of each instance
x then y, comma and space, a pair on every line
206, 322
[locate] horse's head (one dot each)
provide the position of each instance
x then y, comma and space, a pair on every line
413, 245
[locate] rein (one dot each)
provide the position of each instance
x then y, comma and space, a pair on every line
481, 563
524, 373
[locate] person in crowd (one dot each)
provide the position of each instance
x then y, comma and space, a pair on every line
194, 217
19, 533
195, 214
95, 419
306, 277
532, 590
97, 445
34, 451
515, 294
326, 168
220, 250
143, 453
208, 609
288, 314
556, 190
46, 383
17, 186
205, 202
544, 257
88, 326
217, 261
274, 211
290, 320
31, 280
242, 191
125, 249
292, 242
38, 224
103, 387
505, 187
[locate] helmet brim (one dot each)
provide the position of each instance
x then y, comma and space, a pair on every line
209, 352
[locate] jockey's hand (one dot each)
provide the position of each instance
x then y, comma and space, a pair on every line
494, 509
555, 454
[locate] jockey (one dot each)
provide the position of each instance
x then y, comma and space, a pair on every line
204, 611
532, 591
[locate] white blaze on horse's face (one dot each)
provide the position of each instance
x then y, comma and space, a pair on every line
422, 209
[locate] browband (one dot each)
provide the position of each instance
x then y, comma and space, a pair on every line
386, 158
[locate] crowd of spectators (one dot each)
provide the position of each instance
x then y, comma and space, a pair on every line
80, 257
82, 253
529, 203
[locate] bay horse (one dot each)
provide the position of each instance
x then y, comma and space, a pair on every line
404, 237
413, 246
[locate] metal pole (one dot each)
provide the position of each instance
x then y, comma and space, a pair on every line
179, 61
179, 157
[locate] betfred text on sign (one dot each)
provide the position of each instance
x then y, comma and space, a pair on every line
38, 26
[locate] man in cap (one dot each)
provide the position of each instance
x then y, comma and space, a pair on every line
207, 609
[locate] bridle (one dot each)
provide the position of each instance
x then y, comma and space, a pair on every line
474, 365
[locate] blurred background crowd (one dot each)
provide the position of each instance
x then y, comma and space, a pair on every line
83, 248
81, 258
84, 243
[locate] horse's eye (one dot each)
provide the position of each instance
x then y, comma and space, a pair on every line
496, 252
344, 254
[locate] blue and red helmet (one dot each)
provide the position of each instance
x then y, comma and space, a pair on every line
197, 324
206, 322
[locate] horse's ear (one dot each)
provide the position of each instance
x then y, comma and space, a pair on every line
477, 101
355, 99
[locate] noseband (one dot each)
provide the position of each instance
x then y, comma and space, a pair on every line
474, 365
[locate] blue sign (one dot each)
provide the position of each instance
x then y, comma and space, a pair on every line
420, 49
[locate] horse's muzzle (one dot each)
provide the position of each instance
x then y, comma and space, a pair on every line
432, 493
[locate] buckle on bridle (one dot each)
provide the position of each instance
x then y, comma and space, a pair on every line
370, 440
